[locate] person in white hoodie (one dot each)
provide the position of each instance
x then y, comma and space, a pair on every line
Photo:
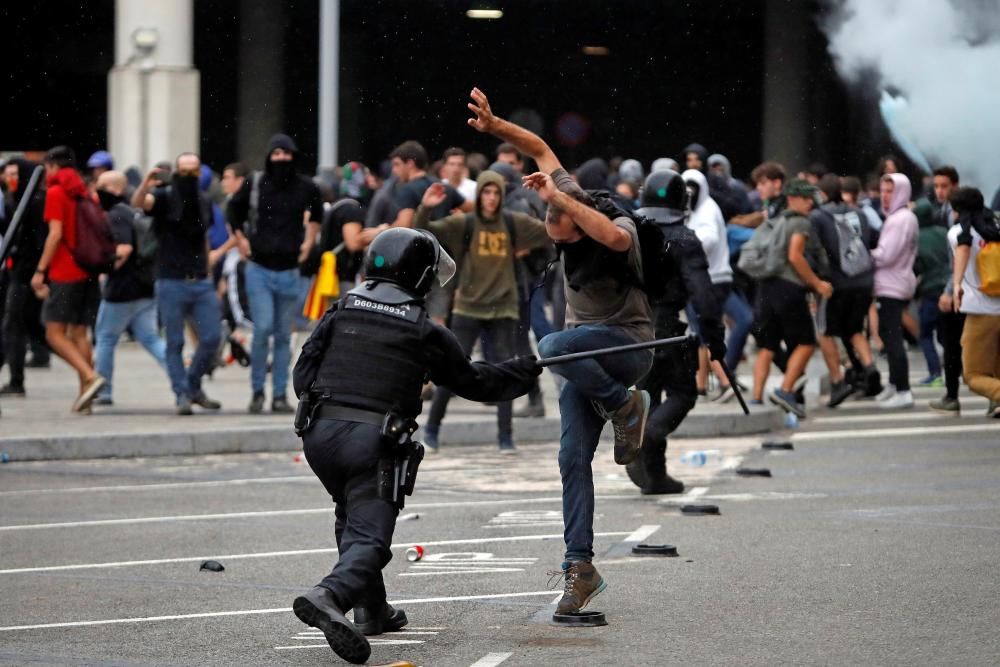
895, 284
709, 225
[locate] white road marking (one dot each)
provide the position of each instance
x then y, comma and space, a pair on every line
894, 432
491, 660
685, 498
465, 563
373, 642
455, 571
763, 495
159, 486
526, 518
273, 513
641, 533
275, 554
254, 612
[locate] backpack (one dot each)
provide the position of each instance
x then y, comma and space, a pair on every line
988, 258
652, 245
94, 250
765, 255
854, 256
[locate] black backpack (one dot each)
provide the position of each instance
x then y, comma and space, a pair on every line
652, 245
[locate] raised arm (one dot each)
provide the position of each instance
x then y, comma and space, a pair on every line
526, 141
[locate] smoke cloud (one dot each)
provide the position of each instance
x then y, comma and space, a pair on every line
940, 60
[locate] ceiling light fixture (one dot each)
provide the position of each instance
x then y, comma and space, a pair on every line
489, 14
596, 51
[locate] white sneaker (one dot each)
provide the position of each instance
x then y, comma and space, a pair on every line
888, 392
903, 399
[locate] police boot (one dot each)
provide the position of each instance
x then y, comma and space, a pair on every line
389, 620
318, 609
654, 479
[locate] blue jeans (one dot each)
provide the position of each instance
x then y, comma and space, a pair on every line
929, 316
112, 321
180, 300
604, 380
739, 311
273, 296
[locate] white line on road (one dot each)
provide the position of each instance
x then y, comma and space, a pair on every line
881, 418
641, 533
275, 554
373, 642
273, 513
894, 432
491, 660
255, 612
163, 485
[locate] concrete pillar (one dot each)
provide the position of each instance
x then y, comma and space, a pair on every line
786, 82
329, 84
153, 90
261, 111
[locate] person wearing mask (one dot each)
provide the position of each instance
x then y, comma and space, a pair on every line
604, 307
22, 316
276, 217
852, 277
72, 296
184, 291
976, 227
895, 284
728, 192
127, 301
487, 243
707, 223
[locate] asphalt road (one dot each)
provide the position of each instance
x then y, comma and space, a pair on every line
876, 541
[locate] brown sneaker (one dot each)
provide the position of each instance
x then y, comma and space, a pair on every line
582, 583
629, 422
89, 393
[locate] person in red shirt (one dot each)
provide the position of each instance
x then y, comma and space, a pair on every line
72, 296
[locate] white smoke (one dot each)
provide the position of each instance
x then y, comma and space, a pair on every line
943, 57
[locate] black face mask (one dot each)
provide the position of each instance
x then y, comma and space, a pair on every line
108, 199
282, 172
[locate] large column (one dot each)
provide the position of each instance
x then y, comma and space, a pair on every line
786, 82
153, 90
329, 84
261, 110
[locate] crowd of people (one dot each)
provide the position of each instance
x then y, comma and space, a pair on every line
858, 270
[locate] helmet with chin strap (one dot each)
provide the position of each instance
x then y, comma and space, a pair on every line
410, 258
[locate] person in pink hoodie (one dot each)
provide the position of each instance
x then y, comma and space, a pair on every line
895, 284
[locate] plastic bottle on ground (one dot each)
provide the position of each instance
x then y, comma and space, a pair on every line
699, 458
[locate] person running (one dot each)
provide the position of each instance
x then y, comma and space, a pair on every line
604, 307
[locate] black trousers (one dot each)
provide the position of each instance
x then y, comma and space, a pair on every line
499, 344
22, 324
673, 372
344, 455
950, 327
890, 329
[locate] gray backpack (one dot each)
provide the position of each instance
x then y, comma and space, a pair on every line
765, 255
854, 256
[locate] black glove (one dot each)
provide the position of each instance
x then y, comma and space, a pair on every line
716, 343
525, 367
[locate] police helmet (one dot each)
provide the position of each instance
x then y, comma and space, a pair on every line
664, 197
410, 258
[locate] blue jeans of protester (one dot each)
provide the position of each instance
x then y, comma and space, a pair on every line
112, 321
929, 317
196, 301
273, 296
737, 309
604, 381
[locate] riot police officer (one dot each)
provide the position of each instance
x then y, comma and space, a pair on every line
664, 200
358, 380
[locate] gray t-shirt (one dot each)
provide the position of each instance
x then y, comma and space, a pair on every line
605, 302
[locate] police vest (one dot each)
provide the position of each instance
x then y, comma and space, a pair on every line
375, 360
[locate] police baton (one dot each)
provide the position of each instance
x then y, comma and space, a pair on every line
734, 385
600, 352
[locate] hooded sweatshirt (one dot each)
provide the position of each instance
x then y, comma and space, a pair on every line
487, 285
593, 174
933, 263
65, 187
707, 223
897, 245
698, 149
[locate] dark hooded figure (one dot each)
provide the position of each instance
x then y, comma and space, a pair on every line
593, 174
21, 311
695, 156
267, 218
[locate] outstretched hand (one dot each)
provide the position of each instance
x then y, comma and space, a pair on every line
434, 195
480, 106
541, 183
